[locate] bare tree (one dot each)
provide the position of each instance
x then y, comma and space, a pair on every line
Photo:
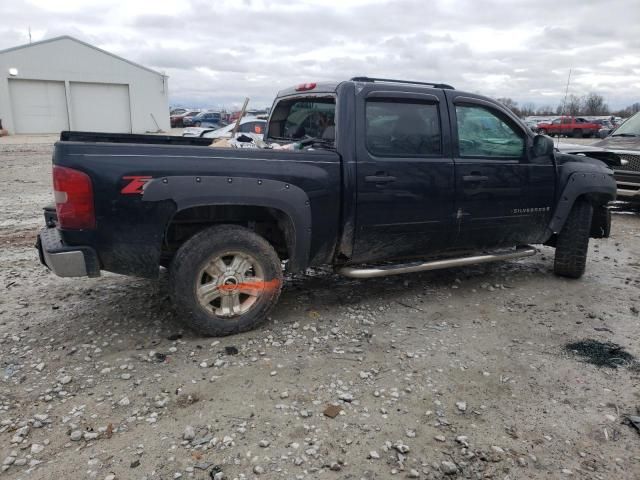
572, 106
510, 104
593, 104
544, 110
527, 109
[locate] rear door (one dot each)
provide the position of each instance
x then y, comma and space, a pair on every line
504, 195
405, 180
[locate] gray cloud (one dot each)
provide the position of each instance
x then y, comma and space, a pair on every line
218, 52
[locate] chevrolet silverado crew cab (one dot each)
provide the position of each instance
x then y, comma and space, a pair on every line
372, 176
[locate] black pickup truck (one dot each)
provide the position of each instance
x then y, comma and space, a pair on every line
372, 176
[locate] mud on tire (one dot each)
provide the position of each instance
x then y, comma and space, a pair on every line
225, 280
572, 243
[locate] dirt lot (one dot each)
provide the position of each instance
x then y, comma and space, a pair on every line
461, 373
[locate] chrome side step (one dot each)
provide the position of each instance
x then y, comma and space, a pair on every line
382, 271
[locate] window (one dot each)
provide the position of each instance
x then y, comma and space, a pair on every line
556, 121
481, 133
301, 118
252, 127
396, 128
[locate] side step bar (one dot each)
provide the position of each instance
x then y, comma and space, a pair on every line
382, 271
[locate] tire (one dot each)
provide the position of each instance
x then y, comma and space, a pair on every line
572, 243
196, 124
577, 133
204, 291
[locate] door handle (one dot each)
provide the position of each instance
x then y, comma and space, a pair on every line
475, 178
379, 179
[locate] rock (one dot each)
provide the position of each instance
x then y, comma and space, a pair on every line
410, 433
462, 406
189, 433
111, 476
124, 401
264, 443
345, 397
65, 380
374, 455
284, 395
125, 376
413, 473
448, 468
440, 438
401, 448
76, 435
332, 411
566, 471
9, 460
497, 449
258, 470
36, 448
335, 466
135, 464
90, 435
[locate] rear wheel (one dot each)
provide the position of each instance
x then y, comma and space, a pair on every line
577, 133
572, 243
225, 280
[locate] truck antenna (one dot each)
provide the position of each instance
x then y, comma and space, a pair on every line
564, 106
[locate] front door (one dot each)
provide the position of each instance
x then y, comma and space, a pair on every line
504, 195
405, 175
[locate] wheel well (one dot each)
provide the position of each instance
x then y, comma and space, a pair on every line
272, 224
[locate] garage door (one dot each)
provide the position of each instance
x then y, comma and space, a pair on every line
38, 106
100, 107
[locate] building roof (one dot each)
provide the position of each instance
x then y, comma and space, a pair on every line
68, 37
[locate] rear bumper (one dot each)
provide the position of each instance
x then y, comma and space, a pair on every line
65, 260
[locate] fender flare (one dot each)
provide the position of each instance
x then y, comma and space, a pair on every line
198, 191
590, 184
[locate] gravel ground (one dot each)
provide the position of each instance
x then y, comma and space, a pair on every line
461, 373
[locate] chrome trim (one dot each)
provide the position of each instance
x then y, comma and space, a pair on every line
372, 272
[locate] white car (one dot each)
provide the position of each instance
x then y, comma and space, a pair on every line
254, 125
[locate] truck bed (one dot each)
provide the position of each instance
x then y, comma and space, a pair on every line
101, 137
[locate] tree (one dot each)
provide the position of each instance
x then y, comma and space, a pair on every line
511, 105
527, 109
593, 104
572, 106
545, 110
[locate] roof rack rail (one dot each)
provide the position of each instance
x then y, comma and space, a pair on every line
390, 80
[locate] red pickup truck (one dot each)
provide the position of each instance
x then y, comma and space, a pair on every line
569, 126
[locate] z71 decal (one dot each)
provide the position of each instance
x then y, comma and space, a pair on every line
135, 185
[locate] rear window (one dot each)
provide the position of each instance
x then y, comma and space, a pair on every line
403, 129
303, 118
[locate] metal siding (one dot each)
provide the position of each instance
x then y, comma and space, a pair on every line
100, 107
38, 106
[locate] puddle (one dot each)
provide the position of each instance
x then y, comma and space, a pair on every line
602, 354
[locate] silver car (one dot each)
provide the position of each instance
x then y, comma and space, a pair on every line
625, 141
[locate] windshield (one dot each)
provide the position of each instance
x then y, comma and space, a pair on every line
306, 117
629, 128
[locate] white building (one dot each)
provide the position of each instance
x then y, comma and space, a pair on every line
65, 84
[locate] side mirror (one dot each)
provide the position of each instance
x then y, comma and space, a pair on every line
542, 146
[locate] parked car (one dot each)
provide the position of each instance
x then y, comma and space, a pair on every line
247, 125
204, 119
177, 120
570, 126
411, 171
533, 126
625, 141
177, 111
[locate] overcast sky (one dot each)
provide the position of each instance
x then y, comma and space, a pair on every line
218, 51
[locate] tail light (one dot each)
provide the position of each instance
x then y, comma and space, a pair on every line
73, 193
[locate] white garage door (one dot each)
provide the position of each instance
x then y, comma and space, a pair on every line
100, 107
38, 106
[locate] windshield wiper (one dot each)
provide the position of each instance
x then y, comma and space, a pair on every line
625, 135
